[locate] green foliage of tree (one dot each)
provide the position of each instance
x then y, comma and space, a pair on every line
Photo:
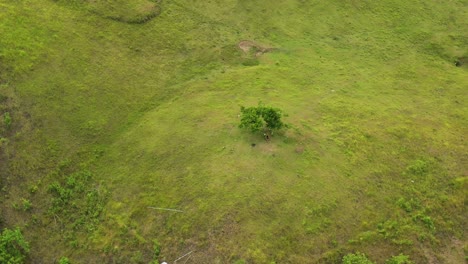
400, 259
251, 119
262, 118
13, 247
358, 258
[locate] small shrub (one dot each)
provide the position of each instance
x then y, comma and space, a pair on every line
408, 205
33, 188
400, 259
426, 220
7, 120
357, 258
388, 229
405, 205
13, 247
262, 118
64, 260
418, 168
3, 140
156, 249
26, 204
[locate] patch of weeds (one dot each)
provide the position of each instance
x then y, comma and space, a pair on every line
7, 120
258, 256
3, 141
317, 217
137, 257
400, 259
68, 200
26, 204
91, 128
408, 205
94, 207
64, 164
52, 148
156, 249
423, 237
388, 229
365, 237
418, 168
33, 188
357, 258
332, 256
74, 243
35, 219
63, 193
311, 155
460, 182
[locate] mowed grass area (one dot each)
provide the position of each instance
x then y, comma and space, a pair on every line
112, 115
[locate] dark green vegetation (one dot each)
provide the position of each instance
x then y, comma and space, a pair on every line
400, 259
108, 108
13, 247
261, 118
357, 258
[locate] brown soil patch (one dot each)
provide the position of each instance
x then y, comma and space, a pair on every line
267, 148
248, 46
451, 253
299, 149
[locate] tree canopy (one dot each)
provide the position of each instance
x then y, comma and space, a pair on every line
262, 118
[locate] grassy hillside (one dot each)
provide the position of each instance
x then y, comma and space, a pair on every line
111, 109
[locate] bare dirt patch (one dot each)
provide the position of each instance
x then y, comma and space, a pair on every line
451, 253
299, 149
268, 148
248, 46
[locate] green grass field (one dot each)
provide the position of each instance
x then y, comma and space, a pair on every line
110, 109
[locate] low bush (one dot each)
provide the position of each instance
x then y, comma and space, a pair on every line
13, 247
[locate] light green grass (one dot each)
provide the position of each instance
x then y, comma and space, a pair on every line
374, 162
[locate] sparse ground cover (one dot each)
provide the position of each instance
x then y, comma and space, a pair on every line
110, 109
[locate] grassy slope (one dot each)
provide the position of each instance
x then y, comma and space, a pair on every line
377, 107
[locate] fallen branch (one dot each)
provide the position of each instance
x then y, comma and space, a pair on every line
183, 256
166, 209
187, 259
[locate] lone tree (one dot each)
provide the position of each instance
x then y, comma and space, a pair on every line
262, 119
